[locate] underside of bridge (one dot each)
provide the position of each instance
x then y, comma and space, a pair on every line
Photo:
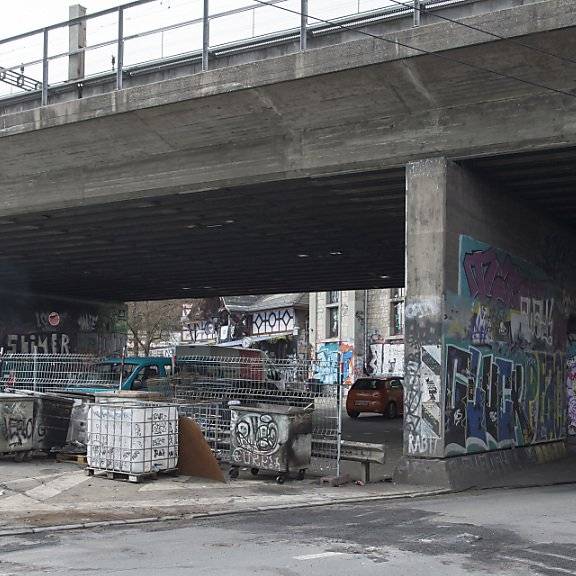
339, 232
285, 174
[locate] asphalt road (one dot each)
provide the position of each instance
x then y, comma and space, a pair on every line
372, 428
376, 429
510, 533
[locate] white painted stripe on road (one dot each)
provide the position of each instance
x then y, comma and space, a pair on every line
552, 554
319, 556
56, 487
539, 564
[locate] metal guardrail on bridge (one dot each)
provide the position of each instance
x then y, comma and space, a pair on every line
60, 54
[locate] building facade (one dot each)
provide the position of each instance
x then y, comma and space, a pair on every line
277, 324
363, 328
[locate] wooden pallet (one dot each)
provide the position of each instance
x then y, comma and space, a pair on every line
126, 476
81, 459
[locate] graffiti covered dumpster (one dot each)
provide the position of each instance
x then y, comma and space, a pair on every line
275, 438
16, 425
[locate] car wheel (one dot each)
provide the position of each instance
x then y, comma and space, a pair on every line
352, 414
391, 410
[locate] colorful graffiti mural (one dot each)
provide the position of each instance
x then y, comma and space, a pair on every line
571, 388
328, 358
505, 361
384, 359
421, 401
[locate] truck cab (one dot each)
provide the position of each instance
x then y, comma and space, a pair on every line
135, 372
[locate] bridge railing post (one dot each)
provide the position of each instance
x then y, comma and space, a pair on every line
76, 43
303, 25
120, 54
417, 9
45, 69
206, 35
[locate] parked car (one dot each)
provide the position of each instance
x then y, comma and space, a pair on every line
382, 395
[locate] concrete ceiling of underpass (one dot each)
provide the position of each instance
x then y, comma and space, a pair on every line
338, 232
542, 180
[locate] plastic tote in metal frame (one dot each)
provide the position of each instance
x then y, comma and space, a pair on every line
268, 437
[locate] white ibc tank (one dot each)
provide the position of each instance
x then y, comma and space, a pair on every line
133, 438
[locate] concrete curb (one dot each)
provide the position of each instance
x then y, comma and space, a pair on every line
218, 513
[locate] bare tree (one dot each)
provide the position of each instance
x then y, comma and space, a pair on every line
152, 322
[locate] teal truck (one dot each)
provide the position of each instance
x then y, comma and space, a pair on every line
130, 373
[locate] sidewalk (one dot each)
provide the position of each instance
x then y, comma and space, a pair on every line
47, 493
44, 493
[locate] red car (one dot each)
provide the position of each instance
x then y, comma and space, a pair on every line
376, 394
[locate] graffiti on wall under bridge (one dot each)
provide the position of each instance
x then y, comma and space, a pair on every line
571, 388
505, 354
332, 357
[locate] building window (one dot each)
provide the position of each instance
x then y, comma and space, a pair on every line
398, 293
397, 296
397, 318
332, 314
332, 298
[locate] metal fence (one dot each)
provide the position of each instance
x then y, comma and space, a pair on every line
46, 372
207, 388
119, 40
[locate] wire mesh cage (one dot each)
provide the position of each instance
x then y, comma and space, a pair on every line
206, 388
137, 438
46, 372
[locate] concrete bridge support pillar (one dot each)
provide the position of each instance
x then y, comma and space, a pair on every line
490, 297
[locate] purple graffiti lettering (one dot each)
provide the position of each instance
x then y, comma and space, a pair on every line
488, 277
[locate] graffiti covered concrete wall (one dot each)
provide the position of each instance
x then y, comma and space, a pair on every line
504, 341
328, 358
53, 326
385, 359
422, 373
571, 387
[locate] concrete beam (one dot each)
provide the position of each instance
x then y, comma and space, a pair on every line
364, 105
439, 37
150, 166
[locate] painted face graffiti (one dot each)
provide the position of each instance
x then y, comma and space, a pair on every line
257, 433
255, 440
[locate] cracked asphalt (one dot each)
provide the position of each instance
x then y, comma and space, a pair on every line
528, 531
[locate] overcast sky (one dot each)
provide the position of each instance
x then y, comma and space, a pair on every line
24, 15
19, 16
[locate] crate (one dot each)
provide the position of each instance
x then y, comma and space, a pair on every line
132, 438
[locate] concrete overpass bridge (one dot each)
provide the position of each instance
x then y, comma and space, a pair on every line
444, 157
